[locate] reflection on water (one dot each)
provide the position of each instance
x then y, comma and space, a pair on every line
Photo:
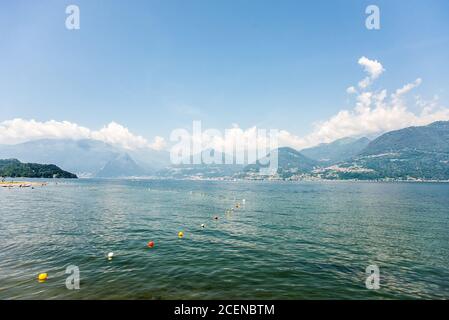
288, 241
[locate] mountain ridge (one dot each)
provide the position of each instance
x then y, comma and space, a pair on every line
419, 152
85, 157
336, 151
412, 153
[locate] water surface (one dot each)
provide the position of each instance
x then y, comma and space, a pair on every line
301, 240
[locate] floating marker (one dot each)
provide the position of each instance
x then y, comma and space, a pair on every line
203, 226
151, 244
42, 277
110, 255
216, 218
180, 234
244, 200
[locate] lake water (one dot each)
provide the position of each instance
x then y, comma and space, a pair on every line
306, 240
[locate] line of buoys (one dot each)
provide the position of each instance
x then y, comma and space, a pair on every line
237, 205
150, 244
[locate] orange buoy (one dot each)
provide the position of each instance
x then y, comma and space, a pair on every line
151, 244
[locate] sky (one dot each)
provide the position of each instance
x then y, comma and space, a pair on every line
137, 70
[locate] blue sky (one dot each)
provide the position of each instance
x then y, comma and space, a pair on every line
154, 66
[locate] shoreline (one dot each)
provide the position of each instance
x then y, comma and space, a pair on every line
28, 184
227, 179
21, 184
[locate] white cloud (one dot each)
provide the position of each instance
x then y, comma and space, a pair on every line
159, 143
351, 90
374, 69
407, 88
373, 113
21, 130
116, 134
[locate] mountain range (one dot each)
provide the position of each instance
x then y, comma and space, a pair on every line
410, 153
413, 153
88, 158
337, 151
290, 162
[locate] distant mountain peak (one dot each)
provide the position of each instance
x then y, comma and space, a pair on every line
336, 151
85, 157
440, 124
290, 162
121, 166
410, 153
287, 149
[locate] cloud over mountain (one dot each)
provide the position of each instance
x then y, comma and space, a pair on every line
374, 112
21, 130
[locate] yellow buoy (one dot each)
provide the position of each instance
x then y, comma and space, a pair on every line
42, 276
180, 234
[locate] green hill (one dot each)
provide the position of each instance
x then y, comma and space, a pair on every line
14, 168
290, 162
410, 153
433, 138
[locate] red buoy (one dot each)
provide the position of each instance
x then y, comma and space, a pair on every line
150, 244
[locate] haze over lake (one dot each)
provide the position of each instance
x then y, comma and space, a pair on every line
289, 240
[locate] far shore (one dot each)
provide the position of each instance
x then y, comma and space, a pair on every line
21, 184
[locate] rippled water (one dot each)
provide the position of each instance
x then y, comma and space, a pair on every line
289, 241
